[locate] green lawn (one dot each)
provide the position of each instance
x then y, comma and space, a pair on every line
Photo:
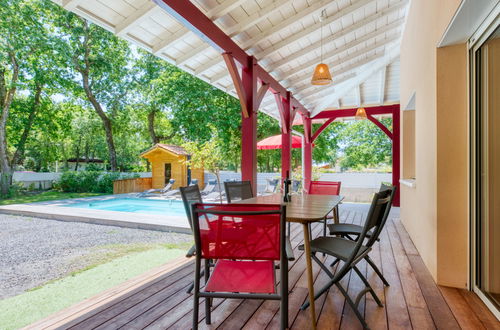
33, 305
45, 196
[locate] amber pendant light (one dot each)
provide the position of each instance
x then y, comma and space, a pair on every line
321, 75
360, 114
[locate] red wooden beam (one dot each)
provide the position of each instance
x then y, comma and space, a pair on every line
322, 128
238, 84
197, 22
396, 165
380, 125
307, 149
261, 93
281, 110
286, 137
249, 126
377, 110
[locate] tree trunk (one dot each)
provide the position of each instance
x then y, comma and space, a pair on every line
151, 127
6, 100
108, 129
19, 154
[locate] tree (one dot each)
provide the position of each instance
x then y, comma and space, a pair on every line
365, 144
208, 156
23, 46
102, 62
149, 82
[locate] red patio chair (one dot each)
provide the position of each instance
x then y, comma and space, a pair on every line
326, 188
245, 268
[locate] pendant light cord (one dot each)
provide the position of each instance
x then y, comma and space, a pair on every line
322, 19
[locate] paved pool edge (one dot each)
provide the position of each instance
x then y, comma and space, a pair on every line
53, 210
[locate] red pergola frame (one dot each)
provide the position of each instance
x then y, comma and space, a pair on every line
251, 96
331, 115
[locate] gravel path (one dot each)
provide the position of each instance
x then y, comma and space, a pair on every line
34, 251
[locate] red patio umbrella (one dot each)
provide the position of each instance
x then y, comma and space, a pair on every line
274, 142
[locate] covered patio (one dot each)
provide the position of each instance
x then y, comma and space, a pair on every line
264, 53
158, 299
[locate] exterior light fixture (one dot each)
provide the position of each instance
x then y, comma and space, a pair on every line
321, 75
360, 114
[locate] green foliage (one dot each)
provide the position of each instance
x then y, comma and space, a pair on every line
365, 145
89, 181
145, 99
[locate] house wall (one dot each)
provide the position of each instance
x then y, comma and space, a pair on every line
435, 212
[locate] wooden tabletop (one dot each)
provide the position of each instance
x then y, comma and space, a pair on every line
303, 208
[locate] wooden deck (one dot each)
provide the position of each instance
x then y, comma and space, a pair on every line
158, 299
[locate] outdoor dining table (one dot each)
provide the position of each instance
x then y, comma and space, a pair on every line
303, 209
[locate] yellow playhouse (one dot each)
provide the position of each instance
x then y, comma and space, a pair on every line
170, 162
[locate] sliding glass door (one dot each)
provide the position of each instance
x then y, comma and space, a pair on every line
486, 167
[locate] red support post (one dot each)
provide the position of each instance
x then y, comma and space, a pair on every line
396, 165
249, 125
307, 153
286, 136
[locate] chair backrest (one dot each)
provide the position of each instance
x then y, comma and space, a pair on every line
379, 210
238, 190
391, 190
324, 187
190, 195
239, 231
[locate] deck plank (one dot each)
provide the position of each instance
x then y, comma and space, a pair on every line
417, 308
461, 308
158, 299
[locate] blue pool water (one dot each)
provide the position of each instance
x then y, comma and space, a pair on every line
135, 205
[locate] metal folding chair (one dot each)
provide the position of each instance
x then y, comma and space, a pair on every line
352, 252
352, 232
326, 188
245, 267
238, 190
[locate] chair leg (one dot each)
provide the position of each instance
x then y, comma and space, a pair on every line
324, 288
324, 228
188, 291
336, 261
196, 298
336, 217
208, 302
368, 286
353, 305
375, 268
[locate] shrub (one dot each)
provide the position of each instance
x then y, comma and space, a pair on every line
90, 181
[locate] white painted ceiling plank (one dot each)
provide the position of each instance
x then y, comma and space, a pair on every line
312, 29
311, 10
389, 57
335, 52
359, 52
136, 18
226, 7
382, 85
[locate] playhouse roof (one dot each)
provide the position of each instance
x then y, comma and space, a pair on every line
178, 150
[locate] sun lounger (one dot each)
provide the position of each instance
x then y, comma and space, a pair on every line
271, 185
210, 187
157, 192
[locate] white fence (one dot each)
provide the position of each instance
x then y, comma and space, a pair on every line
46, 180
355, 186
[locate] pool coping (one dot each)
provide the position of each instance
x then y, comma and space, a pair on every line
54, 210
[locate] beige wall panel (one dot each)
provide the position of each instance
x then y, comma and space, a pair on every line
452, 166
427, 20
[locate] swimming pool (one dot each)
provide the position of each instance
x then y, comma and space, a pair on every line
134, 205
